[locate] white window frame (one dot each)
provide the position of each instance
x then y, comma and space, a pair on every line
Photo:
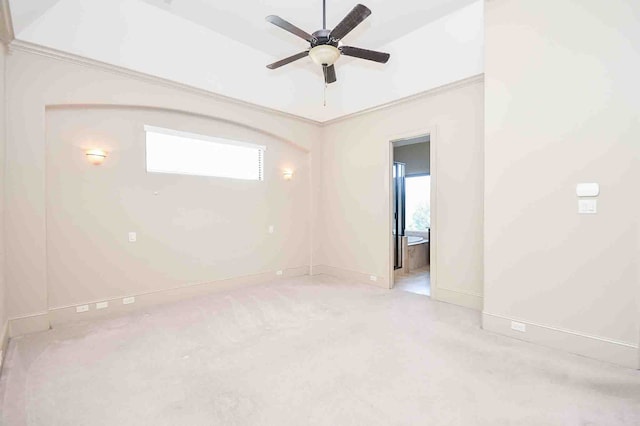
218, 140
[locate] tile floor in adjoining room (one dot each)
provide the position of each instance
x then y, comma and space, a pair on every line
418, 281
304, 351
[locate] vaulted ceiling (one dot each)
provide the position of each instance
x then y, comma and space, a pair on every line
224, 46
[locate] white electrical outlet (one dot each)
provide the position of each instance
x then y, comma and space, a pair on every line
128, 300
279, 272
133, 237
373, 278
82, 308
102, 305
588, 206
271, 229
518, 326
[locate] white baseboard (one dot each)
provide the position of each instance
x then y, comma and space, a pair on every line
467, 300
63, 314
347, 274
29, 324
441, 294
297, 272
615, 352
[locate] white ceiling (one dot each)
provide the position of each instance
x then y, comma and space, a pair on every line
224, 46
243, 20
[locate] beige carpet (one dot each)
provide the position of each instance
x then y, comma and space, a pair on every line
307, 351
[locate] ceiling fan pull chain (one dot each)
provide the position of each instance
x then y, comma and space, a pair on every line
325, 95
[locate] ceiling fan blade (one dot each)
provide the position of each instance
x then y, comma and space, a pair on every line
288, 60
352, 20
329, 74
370, 55
287, 26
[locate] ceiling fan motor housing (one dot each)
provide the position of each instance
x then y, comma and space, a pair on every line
322, 37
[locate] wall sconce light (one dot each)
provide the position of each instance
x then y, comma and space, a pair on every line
287, 174
96, 156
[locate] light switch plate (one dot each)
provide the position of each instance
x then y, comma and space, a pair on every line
133, 237
587, 190
271, 229
588, 206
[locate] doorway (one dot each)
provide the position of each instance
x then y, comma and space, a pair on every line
411, 214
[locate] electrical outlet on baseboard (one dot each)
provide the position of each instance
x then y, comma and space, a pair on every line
128, 300
102, 305
373, 278
82, 308
279, 272
518, 326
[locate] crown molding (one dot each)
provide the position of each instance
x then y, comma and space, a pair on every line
24, 46
6, 24
478, 78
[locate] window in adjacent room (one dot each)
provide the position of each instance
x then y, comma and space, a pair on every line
418, 203
172, 151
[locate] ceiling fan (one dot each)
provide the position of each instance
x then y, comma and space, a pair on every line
325, 47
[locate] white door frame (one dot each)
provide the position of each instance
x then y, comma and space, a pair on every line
432, 132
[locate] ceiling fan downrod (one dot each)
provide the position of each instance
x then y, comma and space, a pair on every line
324, 14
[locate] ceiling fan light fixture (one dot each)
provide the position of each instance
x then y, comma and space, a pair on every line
324, 54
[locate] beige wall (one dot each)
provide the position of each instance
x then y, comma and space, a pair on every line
562, 101
35, 81
190, 229
415, 157
354, 194
48, 181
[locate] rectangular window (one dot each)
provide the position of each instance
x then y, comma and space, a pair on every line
418, 202
173, 151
